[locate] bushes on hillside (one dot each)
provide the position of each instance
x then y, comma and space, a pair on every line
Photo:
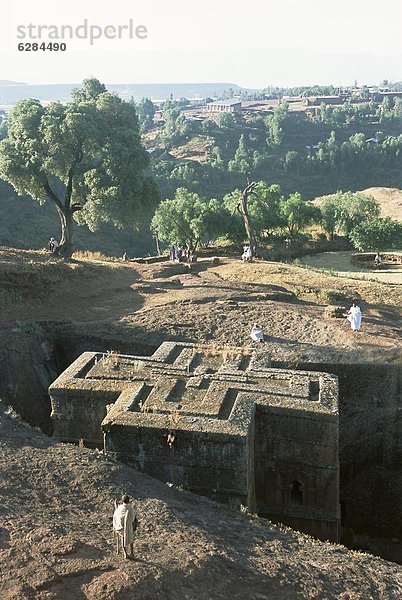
343, 211
377, 234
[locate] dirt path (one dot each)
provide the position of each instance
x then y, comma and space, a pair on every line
220, 303
340, 263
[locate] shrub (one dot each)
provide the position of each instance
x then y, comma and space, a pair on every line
377, 234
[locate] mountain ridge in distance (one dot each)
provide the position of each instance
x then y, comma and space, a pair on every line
7, 82
11, 92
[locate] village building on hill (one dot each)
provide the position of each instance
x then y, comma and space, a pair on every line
230, 106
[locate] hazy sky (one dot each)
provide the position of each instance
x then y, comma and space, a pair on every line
253, 43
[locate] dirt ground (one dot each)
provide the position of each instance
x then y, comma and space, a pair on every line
340, 263
56, 542
219, 303
390, 200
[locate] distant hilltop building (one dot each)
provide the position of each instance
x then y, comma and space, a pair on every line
389, 94
216, 421
332, 100
230, 106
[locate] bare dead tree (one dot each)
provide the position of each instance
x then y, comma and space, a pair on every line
242, 207
158, 248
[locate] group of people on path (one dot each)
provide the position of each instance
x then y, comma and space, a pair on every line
181, 253
247, 255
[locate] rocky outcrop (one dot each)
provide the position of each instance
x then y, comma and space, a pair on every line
27, 368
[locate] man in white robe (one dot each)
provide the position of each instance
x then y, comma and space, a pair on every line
257, 333
354, 316
377, 260
123, 518
247, 254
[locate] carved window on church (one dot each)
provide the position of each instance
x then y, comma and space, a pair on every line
297, 493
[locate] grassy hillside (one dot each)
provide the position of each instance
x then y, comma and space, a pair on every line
296, 150
390, 200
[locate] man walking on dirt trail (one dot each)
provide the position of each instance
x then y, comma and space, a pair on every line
354, 316
123, 519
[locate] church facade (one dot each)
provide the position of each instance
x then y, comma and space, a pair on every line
216, 421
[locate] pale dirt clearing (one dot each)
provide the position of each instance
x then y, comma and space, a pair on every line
340, 264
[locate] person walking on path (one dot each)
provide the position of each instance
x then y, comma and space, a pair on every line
354, 317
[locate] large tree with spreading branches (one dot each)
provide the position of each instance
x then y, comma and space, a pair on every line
85, 157
187, 218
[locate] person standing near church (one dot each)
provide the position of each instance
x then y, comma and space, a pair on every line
123, 519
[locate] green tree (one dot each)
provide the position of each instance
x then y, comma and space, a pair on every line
355, 208
365, 93
170, 115
85, 157
176, 124
329, 213
234, 228
276, 125
398, 109
377, 234
208, 127
3, 129
293, 161
262, 207
189, 219
242, 160
225, 120
341, 212
386, 110
298, 214
145, 111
